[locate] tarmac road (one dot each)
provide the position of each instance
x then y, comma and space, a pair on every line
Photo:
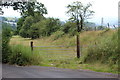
13, 71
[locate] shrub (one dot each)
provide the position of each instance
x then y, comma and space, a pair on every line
22, 55
6, 35
105, 52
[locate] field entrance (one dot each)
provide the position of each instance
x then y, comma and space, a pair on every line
54, 52
47, 49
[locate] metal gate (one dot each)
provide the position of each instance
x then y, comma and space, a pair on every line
55, 52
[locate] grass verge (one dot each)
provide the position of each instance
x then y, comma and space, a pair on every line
22, 55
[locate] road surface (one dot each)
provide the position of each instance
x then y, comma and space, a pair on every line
13, 71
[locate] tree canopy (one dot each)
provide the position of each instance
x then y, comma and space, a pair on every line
26, 8
79, 13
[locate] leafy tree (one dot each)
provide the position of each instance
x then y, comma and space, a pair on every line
36, 18
27, 26
19, 24
79, 13
34, 31
69, 28
44, 27
24, 32
26, 8
30, 8
52, 25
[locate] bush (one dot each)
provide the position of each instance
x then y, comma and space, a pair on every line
22, 55
6, 35
105, 52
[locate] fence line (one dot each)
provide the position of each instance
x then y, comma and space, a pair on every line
67, 46
54, 46
55, 49
57, 54
82, 47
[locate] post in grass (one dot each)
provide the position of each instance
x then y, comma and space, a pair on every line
31, 45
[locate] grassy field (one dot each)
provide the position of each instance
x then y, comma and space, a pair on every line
65, 57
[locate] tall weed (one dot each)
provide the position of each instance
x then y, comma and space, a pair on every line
106, 51
22, 55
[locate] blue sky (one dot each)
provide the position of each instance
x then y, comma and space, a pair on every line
108, 9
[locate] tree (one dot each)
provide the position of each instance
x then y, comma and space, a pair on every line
26, 27
19, 24
52, 25
32, 9
44, 27
26, 8
79, 13
29, 8
69, 28
34, 31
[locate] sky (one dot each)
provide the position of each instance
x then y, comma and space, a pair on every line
108, 9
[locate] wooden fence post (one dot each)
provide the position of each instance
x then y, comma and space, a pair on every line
31, 45
78, 46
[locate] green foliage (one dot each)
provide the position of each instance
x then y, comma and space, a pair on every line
29, 8
69, 28
105, 52
6, 25
52, 25
34, 31
6, 35
22, 55
58, 34
37, 26
19, 24
79, 13
26, 26
31, 12
67, 59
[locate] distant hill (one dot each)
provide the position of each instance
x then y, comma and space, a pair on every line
10, 21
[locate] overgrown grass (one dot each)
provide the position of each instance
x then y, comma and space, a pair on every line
105, 52
22, 55
100, 54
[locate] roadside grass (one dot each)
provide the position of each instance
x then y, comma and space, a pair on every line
22, 55
99, 67
67, 58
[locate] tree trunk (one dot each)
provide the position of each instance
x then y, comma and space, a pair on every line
77, 38
78, 46
81, 23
